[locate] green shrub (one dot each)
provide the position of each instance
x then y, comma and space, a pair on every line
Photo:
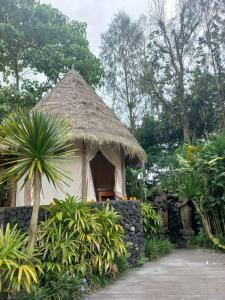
18, 267
122, 264
76, 239
152, 221
58, 285
97, 281
202, 240
157, 247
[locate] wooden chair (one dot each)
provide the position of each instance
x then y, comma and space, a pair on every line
105, 194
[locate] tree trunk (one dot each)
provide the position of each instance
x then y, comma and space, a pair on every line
183, 115
84, 171
17, 76
132, 120
34, 218
185, 127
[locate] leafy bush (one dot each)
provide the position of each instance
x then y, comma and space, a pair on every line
18, 267
157, 247
111, 241
97, 281
122, 264
76, 239
57, 286
152, 221
202, 240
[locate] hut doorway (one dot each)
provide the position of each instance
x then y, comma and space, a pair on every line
103, 174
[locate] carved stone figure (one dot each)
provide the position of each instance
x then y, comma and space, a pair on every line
186, 215
162, 204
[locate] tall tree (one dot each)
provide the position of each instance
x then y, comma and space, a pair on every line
171, 42
39, 37
213, 43
122, 54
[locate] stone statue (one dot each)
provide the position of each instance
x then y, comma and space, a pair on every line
186, 215
162, 203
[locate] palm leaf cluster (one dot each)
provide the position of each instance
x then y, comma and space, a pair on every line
35, 141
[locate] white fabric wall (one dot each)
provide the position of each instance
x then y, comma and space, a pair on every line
74, 171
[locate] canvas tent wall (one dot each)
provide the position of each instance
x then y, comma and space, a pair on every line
73, 168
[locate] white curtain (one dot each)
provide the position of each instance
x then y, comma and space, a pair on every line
115, 158
91, 152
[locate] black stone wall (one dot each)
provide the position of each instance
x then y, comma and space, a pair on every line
131, 220
19, 215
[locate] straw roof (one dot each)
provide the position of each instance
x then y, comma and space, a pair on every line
91, 119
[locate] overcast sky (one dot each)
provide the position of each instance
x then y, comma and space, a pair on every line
98, 14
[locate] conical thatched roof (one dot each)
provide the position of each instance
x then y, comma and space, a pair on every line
91, 119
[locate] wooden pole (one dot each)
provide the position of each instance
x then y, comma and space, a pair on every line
13, 189
84, 171
123, 167
27, 193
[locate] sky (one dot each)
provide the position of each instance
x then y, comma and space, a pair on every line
98, 14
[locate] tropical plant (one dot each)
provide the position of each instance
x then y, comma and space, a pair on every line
19, 268
111, 241
157, 247
122, 264
199, 175
58, 286
136, 183
152, 221
76, 238
34, 142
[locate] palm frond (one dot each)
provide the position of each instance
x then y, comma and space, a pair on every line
33, 141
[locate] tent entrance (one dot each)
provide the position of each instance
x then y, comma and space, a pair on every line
103, 174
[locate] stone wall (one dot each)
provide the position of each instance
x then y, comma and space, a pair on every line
19, 215
131, 220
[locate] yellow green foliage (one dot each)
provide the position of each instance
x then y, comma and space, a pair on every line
76, 239
18, 268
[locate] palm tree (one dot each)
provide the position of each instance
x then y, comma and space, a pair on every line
34, 143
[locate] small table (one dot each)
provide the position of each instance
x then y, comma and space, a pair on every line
107, 194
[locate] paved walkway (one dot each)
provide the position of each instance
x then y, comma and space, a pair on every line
182, 275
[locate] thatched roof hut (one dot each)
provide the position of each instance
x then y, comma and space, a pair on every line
103, 143
91, 119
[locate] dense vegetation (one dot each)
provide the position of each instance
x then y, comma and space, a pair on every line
197, 173
165, 73
77, 246
38, 44
172, 97
165, 76
156, 244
